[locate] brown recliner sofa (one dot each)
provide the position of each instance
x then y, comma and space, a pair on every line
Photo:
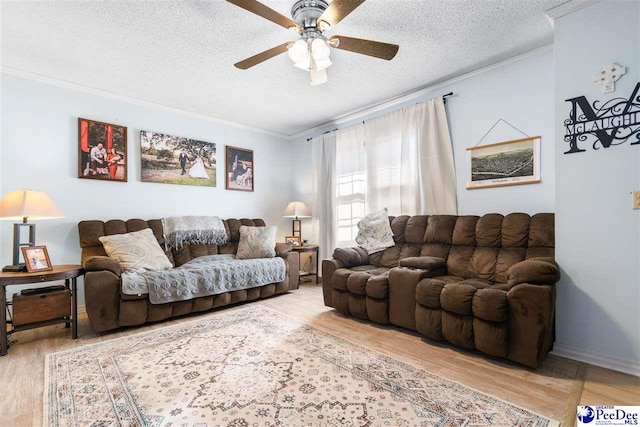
108, 308
485, 283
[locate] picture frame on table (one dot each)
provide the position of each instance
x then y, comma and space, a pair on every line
514, 162
240, 169
293, 240
36, 258
102, 151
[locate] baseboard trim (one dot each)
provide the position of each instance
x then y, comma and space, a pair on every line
82, 309
631, 367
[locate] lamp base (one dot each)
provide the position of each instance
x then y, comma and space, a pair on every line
14, 268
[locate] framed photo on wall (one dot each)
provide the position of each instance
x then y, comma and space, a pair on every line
240, 168
169, 159
513, 162
102, 151
36, 258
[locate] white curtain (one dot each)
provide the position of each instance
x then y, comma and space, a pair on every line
323, 166
409, 161
402, 161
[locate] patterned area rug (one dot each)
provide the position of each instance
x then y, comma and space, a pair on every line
256, 367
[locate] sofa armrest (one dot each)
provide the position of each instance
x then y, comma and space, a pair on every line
424, 262
531, 311
329, 266
351, 257
292, 259
536, 271
100, 263
282, 249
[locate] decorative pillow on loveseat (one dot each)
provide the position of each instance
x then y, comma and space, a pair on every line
374, 232
257, 242
138, 250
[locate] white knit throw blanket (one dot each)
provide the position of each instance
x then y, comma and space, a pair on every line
181, 230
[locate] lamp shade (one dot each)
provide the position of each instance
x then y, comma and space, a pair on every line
297, 210
22, 204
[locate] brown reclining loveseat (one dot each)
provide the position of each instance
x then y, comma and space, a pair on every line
485, 283
109, 308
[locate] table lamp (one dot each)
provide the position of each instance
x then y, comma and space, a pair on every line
25, 205
297, 210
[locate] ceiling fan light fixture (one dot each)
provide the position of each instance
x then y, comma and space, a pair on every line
323, 25
318, 77
299, 50
320, 49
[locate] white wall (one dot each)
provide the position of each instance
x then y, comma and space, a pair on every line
597, 233
520, 92
39, 152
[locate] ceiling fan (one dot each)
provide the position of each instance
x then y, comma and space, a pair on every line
311, 18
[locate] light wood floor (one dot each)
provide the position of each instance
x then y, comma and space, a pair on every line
554, 390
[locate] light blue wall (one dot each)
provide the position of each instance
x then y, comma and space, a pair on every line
40, 149
520, 92
597, 233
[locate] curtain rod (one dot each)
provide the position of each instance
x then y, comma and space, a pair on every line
444, 98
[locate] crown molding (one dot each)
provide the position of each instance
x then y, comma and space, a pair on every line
124, 98
415, 95
567, 8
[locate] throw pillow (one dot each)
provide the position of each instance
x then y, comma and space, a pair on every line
257, 242
374, 232
138, 250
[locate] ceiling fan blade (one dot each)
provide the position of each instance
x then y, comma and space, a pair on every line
366, 47
266, 12
338, 10
262, 56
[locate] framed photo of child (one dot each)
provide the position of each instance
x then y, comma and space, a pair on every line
36, 258
240, 169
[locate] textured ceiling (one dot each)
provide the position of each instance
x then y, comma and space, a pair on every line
181, 53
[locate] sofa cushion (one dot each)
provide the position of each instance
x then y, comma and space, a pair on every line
357, 281
351, 257
424, 262
458, 297
378, 286
490, 304
374, 232
428, 292
257, 242
136, 251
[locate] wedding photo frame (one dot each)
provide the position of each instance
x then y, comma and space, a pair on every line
240, 169
36, 258
102, 151
170, 159
514, 162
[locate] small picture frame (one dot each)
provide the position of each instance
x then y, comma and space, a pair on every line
36, 258
292, 240
240, 169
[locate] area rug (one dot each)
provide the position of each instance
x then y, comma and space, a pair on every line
256, 367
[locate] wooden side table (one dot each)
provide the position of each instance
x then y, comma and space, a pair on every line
314, 250
68, 273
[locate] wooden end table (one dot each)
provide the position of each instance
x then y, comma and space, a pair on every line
308, 248
68, 273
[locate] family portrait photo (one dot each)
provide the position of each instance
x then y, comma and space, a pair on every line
239, 169
102, 151
177, 160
